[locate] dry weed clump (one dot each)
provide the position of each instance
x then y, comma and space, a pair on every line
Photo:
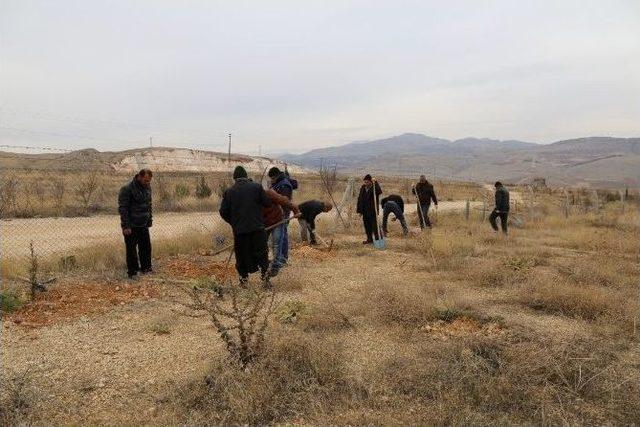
294, 380
553, 294
608, 272
411, 306
504, 380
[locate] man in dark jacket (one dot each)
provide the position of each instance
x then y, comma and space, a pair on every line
309, 210
425, 194
242, 207
367, 207
502, 208
281, 184
134, 206
393, 204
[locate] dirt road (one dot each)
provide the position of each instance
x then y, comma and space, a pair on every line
62, 234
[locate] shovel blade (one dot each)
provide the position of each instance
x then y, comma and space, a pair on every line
379, 244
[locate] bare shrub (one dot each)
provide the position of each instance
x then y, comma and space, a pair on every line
203, 190
240, 316
17, 398
86, 190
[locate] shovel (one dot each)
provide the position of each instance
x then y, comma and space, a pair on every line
377, 243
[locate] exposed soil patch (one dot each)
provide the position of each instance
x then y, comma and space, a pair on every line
463, 326
71, 300
195, 268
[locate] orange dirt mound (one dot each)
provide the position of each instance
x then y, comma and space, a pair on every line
309, 252
191, 268
71, 300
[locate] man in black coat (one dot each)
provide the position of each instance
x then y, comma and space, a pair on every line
393, 204
309, 210
425, 194
242, 207
134, 206
368, 207
502, 208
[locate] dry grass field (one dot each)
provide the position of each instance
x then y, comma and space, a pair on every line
452, 326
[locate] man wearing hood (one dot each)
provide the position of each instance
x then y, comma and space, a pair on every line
134, 206
242, 207
280, 184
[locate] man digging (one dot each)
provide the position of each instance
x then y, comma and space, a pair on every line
425, 194
502, 208
273, 215
367, 207
309, 210
393, 204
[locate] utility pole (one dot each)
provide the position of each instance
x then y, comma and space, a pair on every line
151, 141
259, 150
229, 153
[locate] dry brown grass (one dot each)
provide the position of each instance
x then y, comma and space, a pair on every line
455, 326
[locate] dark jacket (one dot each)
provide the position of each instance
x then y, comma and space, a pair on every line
502, 199
366, 201
283, 186
274, 214
134, 205
425, 193
242, 206
394, 198
310, 210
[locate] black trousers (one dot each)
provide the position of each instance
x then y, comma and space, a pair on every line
504, 215
252, 252
138, 244
424, 207
370, 226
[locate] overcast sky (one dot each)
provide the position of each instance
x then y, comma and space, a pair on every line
296, 75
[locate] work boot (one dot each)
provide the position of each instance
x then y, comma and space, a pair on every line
273, 272
367, 242
133, 277
244, 281
147, 271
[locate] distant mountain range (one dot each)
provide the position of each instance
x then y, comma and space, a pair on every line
593, 161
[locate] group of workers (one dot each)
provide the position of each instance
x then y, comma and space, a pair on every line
258, 216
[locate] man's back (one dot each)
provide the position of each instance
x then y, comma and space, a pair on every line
242, 206
394, 198
311, 209
502, 199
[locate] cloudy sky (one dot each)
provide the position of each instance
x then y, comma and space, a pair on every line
296, 75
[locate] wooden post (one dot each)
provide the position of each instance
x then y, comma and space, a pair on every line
623, 200
467, 210
596, 201
566, 204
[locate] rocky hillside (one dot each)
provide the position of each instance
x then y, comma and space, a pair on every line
158, 159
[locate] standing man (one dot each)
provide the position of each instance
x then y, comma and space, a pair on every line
393, 204
502, 208
309, 210
368, 208
281, 184
273, 215
134, 206
242, 207
425, 194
